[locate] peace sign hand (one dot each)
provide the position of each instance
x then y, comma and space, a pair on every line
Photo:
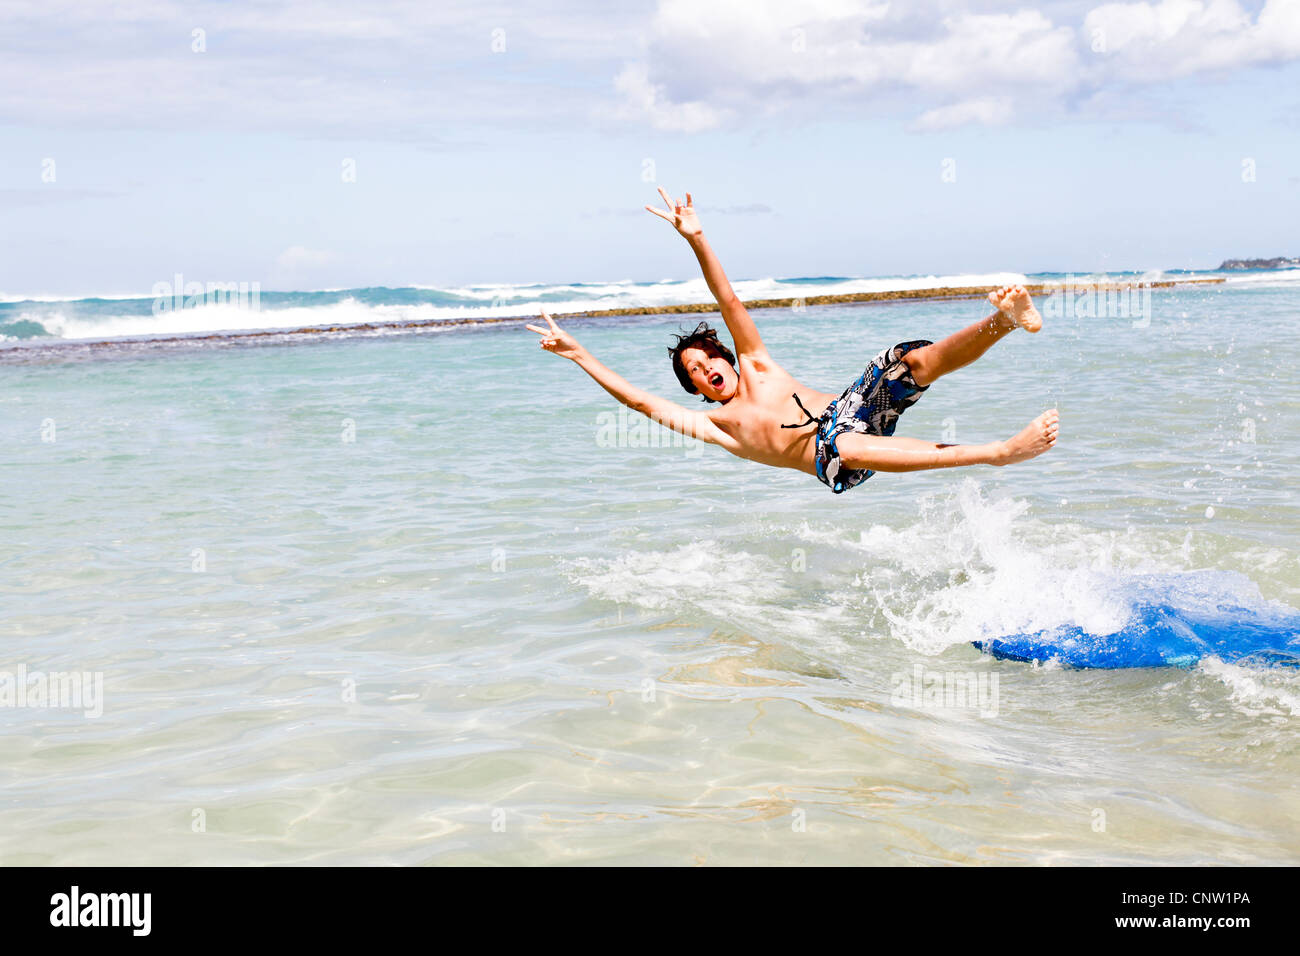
556, 339
682, 217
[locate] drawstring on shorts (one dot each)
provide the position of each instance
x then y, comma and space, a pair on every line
810, 421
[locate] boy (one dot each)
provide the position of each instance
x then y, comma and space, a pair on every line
765, 415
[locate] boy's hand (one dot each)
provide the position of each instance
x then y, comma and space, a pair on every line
556, 339
682, 217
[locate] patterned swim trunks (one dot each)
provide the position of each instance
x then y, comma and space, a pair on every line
870, 406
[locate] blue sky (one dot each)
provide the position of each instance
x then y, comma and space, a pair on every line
511, 142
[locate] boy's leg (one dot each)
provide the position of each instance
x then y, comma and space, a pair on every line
1015, 310
898, 453
957, 350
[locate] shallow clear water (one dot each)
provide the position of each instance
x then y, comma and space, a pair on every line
400, 600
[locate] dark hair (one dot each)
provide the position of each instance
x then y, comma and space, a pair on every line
704, 337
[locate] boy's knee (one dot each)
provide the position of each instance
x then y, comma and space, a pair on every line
917, 362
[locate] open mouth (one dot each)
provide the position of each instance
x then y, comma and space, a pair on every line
717, 380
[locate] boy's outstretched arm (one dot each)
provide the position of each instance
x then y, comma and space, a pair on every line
742, 328
666, 413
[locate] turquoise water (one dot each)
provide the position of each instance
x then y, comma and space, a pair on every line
401, 600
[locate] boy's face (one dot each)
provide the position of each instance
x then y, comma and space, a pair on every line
711, 374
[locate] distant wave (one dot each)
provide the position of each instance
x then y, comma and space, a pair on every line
113, 316
101, 317
1264, 277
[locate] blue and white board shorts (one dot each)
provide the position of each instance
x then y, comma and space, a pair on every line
870, 406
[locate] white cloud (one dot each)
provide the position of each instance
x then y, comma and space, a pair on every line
421, 71
645, 100
743, 57
1013, 51
439, 73
750, 57
1178, 37
989, 111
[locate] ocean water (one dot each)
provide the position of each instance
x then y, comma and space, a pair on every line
423, 599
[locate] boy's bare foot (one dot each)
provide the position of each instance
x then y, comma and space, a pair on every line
1014, 303
1036, 437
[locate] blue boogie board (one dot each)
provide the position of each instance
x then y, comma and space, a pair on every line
1174, 621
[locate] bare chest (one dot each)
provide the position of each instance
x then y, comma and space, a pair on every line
763, 404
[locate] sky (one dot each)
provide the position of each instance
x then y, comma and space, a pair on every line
329, 145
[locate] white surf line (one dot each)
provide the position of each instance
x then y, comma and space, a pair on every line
346, 329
